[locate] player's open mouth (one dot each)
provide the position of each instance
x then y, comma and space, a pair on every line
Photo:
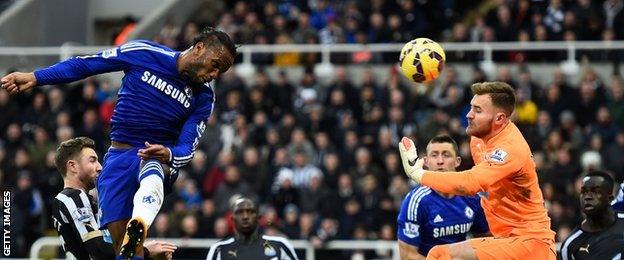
588, 207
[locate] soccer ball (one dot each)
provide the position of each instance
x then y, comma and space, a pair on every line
422, 60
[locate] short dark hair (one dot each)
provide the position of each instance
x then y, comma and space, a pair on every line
503, 95
606, 176
212, 37
69, 150
445, 139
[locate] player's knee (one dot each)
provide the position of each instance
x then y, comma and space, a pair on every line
151, 167
439, 252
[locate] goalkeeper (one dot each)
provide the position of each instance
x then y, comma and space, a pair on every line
504, 168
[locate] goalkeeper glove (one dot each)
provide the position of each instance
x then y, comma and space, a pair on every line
412, 165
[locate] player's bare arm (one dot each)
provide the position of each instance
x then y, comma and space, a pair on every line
17, 82
409, 252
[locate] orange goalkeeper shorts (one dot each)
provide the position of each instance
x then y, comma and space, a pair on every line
521, 247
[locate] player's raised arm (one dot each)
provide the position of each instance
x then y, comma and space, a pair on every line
17, 82
469, 182
80, 67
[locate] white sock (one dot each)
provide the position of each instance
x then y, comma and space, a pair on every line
149, 198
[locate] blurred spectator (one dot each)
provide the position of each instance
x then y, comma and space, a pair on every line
206, 218
232, 185
197, 168
299, 143
216, 175
604, 126
185, 39
616, 103
322, 14
332, 33
161, 226
27, 209
591, 161
570, 131
554, 103
8, 110
190, 195
38, 150
92, 128
352, 217
364, 165
287, 58
189, 227
304, 29
328, 230
253, 172
526, 110
504, 29
248, 30
313, 195
49, 182
613, 161
306, 226
303, 170
291, 217
331, 170
167, 35
554, 18
370, 196
285, 193
221, 229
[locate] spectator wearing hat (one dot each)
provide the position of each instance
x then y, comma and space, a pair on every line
291, 221
284, 192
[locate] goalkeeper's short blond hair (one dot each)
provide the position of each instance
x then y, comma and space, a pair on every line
502, 94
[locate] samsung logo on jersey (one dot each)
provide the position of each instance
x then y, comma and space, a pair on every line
167, 88
451, 230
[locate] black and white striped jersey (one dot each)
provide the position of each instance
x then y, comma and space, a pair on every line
607, 244
266, 247
74, 213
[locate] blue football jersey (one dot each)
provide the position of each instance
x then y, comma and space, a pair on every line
618, 202
154, 103
427, 219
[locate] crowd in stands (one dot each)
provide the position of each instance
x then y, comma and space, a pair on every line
321, 160
399, 21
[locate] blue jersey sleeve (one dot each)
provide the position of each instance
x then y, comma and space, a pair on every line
479, 224
182, 153
80, 67
618, 202
410, 219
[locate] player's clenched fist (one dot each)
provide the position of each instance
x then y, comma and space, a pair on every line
155, 151
17, 82
412, 165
